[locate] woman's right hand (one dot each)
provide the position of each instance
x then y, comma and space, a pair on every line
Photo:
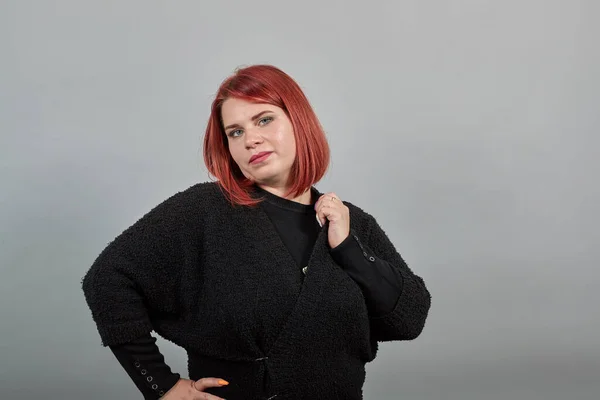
186, 389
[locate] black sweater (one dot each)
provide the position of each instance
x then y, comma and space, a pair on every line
296, 223
153, 267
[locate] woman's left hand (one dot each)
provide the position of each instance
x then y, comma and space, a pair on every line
330, 207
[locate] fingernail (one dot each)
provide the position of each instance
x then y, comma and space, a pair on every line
223, 382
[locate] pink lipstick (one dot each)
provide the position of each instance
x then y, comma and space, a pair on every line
259, 157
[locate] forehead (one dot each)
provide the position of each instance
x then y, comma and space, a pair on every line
237, 110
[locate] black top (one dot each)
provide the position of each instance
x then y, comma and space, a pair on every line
285, 332
297, 225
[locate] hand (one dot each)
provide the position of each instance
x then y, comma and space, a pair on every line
330, 207
186, 389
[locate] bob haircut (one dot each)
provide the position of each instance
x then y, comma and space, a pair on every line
269, 85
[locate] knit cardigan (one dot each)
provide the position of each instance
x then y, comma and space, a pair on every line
209, 277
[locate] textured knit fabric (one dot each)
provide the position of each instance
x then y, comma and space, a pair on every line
298, 228
212, 278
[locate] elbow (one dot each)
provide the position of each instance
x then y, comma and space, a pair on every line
418, 317
86, 285
406, 323
414, 331
89, 284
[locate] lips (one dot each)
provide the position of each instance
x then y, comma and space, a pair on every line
259, 156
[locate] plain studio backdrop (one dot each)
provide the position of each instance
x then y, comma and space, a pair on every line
469, 129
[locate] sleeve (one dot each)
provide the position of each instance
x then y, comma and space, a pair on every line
407, 319
379, 281
136, 273
146, 366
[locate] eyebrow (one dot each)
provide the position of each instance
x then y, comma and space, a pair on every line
254, 118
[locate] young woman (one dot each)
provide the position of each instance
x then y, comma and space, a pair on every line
274, 289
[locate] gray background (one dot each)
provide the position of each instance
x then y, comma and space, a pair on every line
468, 128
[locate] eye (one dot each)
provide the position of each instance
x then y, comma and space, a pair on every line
233, 133
268, 119
237, 133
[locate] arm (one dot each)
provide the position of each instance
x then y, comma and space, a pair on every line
134, 277
146, 366
379, 281
136, 274
407, 318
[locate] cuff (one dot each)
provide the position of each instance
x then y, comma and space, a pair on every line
346, 253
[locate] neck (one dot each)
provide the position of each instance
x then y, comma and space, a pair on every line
280, 191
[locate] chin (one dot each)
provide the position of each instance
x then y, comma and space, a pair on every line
267, 179
269, 174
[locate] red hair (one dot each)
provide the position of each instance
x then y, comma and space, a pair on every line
270, 85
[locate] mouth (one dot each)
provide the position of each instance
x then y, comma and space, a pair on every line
256, 158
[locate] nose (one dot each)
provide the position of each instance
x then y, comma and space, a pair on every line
253, 137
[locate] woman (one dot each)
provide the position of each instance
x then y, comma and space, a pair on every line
274, 289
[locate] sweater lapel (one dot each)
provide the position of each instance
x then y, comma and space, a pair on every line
320, 265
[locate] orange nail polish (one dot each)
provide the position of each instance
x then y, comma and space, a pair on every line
223, 382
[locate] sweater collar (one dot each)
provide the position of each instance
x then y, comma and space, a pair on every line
286, 203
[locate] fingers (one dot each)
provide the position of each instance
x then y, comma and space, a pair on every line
205, 383
202, 384
327, 198
327, 207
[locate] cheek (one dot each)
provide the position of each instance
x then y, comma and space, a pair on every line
286, 141
236, 153
291, 145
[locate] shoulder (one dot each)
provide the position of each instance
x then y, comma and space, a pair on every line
202, 192
359, 216
195, 199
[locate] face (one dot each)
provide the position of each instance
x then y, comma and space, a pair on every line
261, 140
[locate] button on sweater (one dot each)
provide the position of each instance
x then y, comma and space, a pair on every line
226, 284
